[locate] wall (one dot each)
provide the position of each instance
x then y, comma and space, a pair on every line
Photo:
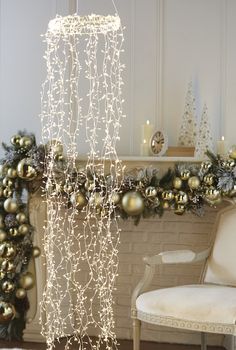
167, 44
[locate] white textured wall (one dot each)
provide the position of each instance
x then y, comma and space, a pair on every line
167, 43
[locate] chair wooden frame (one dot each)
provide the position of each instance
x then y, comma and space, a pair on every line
174, 257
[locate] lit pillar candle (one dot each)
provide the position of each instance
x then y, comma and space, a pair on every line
221, 147
144, 148
147, 131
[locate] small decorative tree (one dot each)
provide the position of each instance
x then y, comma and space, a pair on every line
188, 129
204, 137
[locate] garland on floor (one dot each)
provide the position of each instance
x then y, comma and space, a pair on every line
186, 187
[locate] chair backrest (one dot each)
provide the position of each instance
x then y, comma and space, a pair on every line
221, 265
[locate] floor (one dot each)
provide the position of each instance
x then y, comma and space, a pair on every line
124, 345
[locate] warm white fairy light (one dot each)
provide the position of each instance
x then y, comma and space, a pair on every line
83, 53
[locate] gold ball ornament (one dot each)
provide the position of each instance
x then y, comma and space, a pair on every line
3, 235
209, 179
232, 152
168, 195
212, 194
78, 200
177, 183
96, 199
11, 173
180, 209
185, 174
156, 202
36, 252
21, 293
150, 192
27, 281
7, 182
194, 182
8, 286
23, 229
10, 205
7, 265
54, 146
132, 203
7, 250
7, 312
205, 166
7, 192
26, 142
181, 198
15, 140
25, 170
229, 163
166, 205
2, 275
21, 218
14, 232
115, 198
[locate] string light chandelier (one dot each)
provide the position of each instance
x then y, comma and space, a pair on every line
81, 104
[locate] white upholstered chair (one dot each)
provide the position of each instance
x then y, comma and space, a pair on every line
207, 307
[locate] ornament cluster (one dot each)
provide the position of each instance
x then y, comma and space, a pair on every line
142, 193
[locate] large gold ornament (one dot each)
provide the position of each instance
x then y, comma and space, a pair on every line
10, 205
150, 192
132, 203
26, 142
11, 173
181, 198
7, 312
168, 195
25, 170
36, 252
7, 250
194, 182
232, 152
8, 286
21, 293
177, 183
185, 174
212, 194
27, 281
209, 179
21, 218
78, 200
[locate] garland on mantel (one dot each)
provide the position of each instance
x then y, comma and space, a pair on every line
186, 187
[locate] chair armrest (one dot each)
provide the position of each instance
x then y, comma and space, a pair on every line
176, 257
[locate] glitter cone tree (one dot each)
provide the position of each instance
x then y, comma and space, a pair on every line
188, 129
204, 137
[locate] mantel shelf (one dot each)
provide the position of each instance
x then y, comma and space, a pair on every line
161, 159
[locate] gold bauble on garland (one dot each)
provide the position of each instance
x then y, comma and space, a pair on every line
7, 265
150, 192
96, 199
15, 140
229, 163
181, 198
232, 152
21, 293
78, 200
3, 235
180, 209
115, 198
13, 232
7, 182
36, 252
25, 169
156, 201
194, 182
21, 218
212, 194
166, 205
7, 312
7, 192
7, 250
185, 174
205, 166
10, 205
209, 179
11, 173
23, 229
8, 286
168, 195
26, 142
54, 146
27, 281
177, 183
132, 203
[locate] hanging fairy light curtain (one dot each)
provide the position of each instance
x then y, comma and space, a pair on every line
81, 106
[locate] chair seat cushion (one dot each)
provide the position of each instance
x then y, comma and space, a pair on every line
194, 304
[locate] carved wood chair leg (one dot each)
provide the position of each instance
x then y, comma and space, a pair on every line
203, 341
136, 334
233, 342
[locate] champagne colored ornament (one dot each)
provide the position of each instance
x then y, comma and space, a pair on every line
7, 266
209, 179
36, 252
194, 182
229, 163
8, 286
24, 229
150, 192
7, 182
132, 203
212, 194
3, 235
10, 205
21, 293
181, 198
205, 166
177, 183
7, 312
7, 250
26, 142
115, 198
166, 205
78, 200
180, 209
168, 195
7, 192
21, 218
15, 140
13, 232
1, 222
25, 169
232, 152
185, 174
11, 173
96, 199
27, 281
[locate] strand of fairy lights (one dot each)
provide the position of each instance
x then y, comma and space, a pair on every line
70, 249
